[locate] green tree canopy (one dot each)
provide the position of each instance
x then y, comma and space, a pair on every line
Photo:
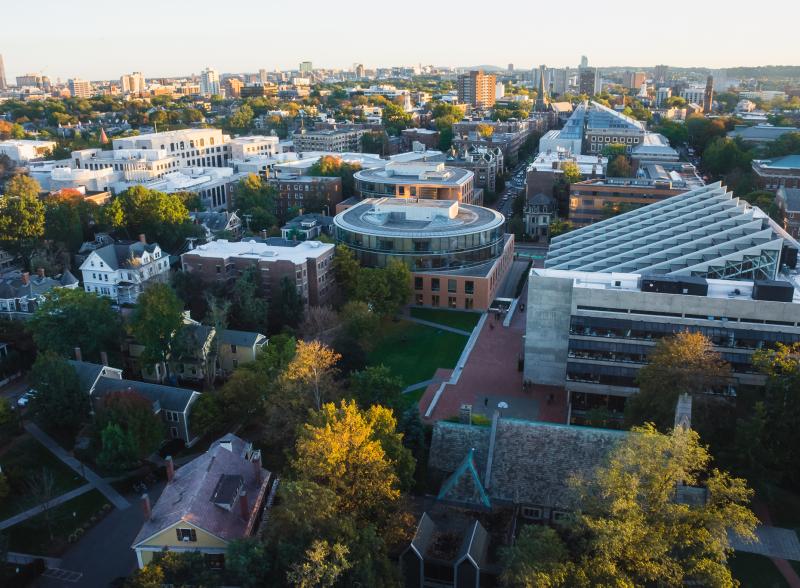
255, 201
157, 318
59, 402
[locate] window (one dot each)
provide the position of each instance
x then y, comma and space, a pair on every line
434, 285
468, 303
529, 512
235, 363
435, 300
419, 299
559, 516
452, 286
451, 301
233, 348
418, 283
186, 534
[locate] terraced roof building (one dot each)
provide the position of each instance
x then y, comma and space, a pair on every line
702, 261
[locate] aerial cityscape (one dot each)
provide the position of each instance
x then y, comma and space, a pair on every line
326, 314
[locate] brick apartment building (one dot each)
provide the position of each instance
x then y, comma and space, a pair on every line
300, 192
477, 89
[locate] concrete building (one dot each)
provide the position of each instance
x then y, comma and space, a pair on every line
772, 174
336, 140
3, 83
136, 165
693, 94
418, 180
21, 151
548, 167
633, 80
788, 202
605, 125
510, 136
458, 254
254, 146
193, 147
589, 81
133, 83
477, 89
209, 82
79, 88
703, 261
663, 94
307, 264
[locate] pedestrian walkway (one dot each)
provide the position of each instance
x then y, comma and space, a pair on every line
96, 481
26, 558
32, 512
422, 384
437, 326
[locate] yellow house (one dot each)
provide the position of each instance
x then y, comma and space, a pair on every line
212, 500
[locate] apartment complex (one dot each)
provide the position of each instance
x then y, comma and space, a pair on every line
209, 82
133, 83
702, 261
79, 88
415, 180
307, 264
192, 147
458, 254
336, 140
477, 89
297, 192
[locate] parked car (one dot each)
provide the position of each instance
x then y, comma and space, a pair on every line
23, 400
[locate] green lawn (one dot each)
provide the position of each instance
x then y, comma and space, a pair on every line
33, 536
756, 571
23, 457
457, 319
411, 399
414, 352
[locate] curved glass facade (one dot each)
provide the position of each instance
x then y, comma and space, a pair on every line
425, 253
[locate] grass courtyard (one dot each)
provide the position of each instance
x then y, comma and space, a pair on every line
414, 352
756, 571
465, 321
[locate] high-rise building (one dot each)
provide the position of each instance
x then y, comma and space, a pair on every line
233, 87
584, 61
306, 67
3, 84
559, 81
588, 81
262, 76
661, 73
360, 71
209, 82
34, 80
510, 67
477, 89
633, 80
79, 88
132, 83
708, 97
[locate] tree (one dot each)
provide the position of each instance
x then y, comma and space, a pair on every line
312, 367
255, 201
318, 320
559, 227
21, 213
683, 363
675, 132
242, 119
42, 491
613, 150
133, 413
157, 318
636, 531
322, 567
571, 172
117, 448
338, 450
66, 217
723, 155
249, 310
398, 280
347, 270
620, 167
376, 385
537, 559
701, 131
217, 318
70, 318
331, 166
359, 321
150, 576
289, 307
249, 561
59, 401
485, 131
208, 413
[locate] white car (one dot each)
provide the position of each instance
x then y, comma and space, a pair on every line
23, 400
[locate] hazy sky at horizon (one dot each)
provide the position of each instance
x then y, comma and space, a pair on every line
101, 40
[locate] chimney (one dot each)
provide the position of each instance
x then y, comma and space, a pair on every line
26, 278
257, 467
142, 238
146, 510
104, 358
40, 272
170, 468
244, 505
78, 355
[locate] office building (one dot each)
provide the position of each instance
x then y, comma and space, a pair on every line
254, 146
416, 180
33, 80
336, 140
132, 83
306, 67
772, 174
605, 126
458, 254
584, 62
477, 89
559, 81
295, 193
693, 94
307, 264
661, 74
194, 147
663, 94
360, 72
588, 81
79, 88
233, 87
3, 84
702, 261
209, 82
510, 136
24, 150
633, 80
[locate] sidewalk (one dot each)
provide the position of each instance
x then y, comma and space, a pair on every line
436, 325
32, 512
94, 480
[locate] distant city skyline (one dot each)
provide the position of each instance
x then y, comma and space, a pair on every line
86, 39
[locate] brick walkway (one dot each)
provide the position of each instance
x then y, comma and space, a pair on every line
492, 373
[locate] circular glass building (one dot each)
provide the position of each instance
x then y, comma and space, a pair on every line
427, 235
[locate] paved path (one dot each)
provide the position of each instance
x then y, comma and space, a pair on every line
112, 495
26, 558
785, 568
423, 384
437, 326
32, 512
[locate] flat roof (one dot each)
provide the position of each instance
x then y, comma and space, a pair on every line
255, 250
414, 172
381, 217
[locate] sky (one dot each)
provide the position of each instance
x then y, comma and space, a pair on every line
98, 39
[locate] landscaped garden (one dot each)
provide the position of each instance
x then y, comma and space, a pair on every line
414, 352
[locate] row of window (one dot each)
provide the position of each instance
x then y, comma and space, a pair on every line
452, 285
452, 301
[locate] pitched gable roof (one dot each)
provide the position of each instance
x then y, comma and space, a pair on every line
464, 485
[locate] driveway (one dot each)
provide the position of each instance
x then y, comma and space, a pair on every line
104, 552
